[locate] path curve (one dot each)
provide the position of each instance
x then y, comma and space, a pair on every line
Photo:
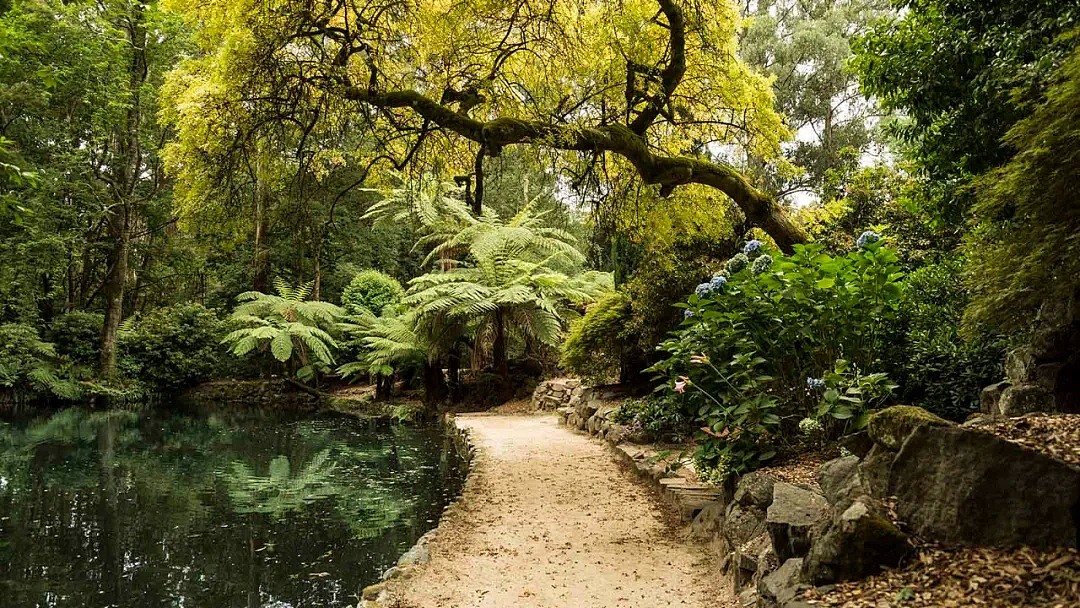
548, 519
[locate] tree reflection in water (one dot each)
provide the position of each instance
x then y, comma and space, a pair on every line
214, 508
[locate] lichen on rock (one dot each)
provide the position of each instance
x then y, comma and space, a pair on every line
891, 426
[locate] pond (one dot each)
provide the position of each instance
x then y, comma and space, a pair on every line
217, 507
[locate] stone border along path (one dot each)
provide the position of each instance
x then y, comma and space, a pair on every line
548, 519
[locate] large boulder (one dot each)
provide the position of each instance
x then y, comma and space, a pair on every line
790, 518
1026, 399
874, 471
955, 484
755, 490
855, 543
781, 586
837, 474
891, 426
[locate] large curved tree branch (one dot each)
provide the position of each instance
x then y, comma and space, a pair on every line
666, 171
628, 141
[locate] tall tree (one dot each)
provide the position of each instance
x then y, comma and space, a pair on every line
962, 74
806, 46
77, 98
651, 83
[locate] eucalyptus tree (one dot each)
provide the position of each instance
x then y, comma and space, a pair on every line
805, 45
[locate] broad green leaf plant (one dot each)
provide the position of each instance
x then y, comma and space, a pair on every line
756, 332
288, 327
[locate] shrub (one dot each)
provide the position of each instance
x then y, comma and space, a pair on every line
31, 368
847, 398
659, 417
77, 335
294, 331
597, 345
741, 358
937, 367
171, 347
371, 291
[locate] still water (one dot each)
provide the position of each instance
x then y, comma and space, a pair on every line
212, 508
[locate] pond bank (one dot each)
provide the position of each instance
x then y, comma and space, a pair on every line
547, 518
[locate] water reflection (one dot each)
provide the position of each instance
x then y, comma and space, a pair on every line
221, 508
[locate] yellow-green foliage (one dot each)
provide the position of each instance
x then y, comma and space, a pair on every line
557, 62
596, 342
1025, 249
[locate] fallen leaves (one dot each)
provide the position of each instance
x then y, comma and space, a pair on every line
1057, 434
943, 577
799, 468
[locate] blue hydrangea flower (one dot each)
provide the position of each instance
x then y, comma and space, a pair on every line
737, 262
762, 264
703, 289
753, 248
717, 282
687, 313
815, 384
867, 238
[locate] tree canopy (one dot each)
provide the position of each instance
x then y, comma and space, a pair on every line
655, 84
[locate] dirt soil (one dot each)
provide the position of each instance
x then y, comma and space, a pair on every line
547, 518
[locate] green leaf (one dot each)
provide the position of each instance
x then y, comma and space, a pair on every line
282, 346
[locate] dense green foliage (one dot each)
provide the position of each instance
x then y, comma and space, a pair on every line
752, 341
172, 347
30, 367
371, 291
936, 366
963, 74
597, 344
287, 327
77, 335
501, 287
1025, 250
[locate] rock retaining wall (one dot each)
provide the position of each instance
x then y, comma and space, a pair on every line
553, 394
774, 540
1044, 375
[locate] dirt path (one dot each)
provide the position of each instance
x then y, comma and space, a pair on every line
548, 519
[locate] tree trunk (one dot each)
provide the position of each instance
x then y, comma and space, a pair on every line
261, 260
113, 290
384, 387
316, 251
435, 389
125, 172
453, 365
498, 349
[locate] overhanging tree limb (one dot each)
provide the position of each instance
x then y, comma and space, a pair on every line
666, 171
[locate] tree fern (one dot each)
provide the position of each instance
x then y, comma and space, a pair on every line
31, 368
515, 271
289, 328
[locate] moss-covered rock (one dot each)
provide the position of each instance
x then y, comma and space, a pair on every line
891, 426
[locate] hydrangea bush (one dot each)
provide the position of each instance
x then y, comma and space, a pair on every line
754, 354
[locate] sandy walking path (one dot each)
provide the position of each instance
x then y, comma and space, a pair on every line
548, 519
